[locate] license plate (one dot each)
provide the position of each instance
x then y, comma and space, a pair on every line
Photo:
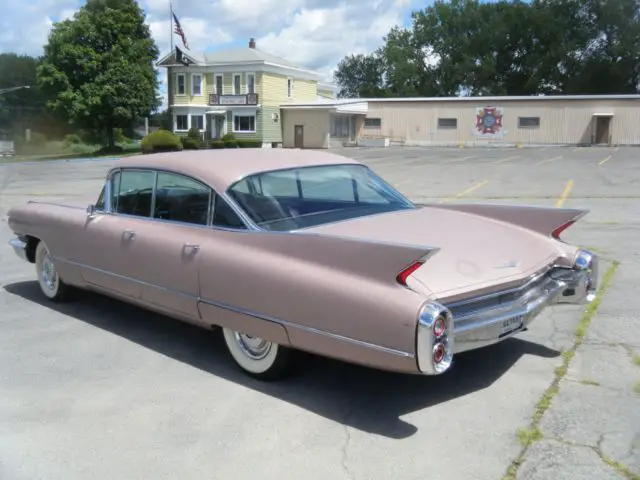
511, 324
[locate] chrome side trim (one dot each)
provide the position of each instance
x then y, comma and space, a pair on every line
55, 204
243, 311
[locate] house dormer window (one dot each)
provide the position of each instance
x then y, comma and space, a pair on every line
196, 84
181, 84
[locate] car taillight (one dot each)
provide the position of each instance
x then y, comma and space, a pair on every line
404, 274
556, 233
438, 353
439, 327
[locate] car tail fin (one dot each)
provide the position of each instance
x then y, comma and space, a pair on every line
544, 220
377, 261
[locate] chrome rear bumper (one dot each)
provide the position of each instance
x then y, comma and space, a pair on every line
482, 321
20, 247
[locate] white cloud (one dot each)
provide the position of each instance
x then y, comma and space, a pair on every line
315, 34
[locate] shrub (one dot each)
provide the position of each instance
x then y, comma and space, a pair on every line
161, 141
194, 133
72, 139
249, 143
228, 136
217, 144
231, 144
190, 143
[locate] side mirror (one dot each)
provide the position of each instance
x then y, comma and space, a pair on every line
91, 210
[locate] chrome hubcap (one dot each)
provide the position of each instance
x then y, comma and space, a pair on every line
255, 348
48, 274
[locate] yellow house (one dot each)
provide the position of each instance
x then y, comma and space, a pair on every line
239, 91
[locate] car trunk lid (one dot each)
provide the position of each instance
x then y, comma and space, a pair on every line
475, 252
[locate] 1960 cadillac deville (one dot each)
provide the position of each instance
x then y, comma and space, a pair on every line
292, 251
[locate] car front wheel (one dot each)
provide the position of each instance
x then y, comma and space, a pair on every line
258, 357
48, 278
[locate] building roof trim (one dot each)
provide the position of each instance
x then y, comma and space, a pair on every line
536, 98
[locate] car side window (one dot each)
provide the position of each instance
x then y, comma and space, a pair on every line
133, 192
100, 203
225, 216
182, 199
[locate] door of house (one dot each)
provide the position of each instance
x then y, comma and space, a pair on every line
603, 129
298, 137
218, 126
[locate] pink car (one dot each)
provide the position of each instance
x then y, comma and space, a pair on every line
295, 250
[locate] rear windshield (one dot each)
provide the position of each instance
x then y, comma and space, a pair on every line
303, 197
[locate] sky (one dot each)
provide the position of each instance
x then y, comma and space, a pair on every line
314, 34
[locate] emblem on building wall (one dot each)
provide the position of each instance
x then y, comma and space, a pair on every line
489, 121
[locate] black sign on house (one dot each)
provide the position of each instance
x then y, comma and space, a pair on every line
182, 58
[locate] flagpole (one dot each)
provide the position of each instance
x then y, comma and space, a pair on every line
169, 73
171, 26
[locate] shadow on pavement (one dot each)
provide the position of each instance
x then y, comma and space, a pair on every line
358, 397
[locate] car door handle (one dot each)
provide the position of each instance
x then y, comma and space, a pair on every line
189, 246
129, 234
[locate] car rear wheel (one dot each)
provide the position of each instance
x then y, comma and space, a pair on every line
48, 278
258, 357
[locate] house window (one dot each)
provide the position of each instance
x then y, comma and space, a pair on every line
528, 122
447, 123
372, 122
197, 121
219, 84
182, 122
196, 84
251, 83
289, 87
180, 84
237, 84
244, 123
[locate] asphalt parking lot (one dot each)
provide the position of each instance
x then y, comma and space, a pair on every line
99, 389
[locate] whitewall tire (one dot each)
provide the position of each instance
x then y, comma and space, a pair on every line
258, 357
49, 280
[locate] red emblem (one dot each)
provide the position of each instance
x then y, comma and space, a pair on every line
489, 120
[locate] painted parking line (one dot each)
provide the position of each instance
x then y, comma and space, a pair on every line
548, 160
508, 159
605, 160
565, 194
462, 159
465, 192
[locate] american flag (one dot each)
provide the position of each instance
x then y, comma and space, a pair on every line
179, 31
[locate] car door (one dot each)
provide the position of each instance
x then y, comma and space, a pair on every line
108, 254
168, 247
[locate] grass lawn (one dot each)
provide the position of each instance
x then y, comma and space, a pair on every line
59, 151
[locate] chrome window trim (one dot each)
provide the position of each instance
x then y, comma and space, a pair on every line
242, 311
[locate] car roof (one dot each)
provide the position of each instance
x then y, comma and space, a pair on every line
220, 168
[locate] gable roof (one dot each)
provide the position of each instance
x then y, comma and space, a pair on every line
232, 56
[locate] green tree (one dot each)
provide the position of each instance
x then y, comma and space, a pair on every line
21, 108
98, 68
360, 76
505, 47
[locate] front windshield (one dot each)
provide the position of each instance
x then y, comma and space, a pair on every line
307, 196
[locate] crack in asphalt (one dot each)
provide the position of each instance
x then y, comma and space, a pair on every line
345, 447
